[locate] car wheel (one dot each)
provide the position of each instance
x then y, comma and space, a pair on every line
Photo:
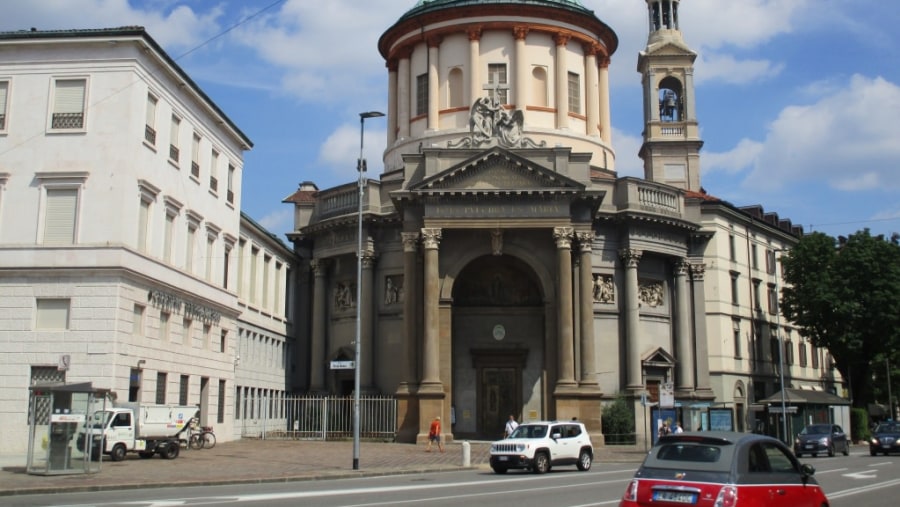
846, 448
541, 463
798, 454
499, 469
170, 451
117, 453
831, 451
584, 461
872, 452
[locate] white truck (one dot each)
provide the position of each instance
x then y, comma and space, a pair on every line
147, 429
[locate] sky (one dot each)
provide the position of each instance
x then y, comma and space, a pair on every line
798, 100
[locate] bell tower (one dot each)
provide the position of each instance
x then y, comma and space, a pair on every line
671, 147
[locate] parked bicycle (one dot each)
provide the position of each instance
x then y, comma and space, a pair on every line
200, 437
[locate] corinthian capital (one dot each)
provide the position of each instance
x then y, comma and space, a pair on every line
431, 238
630, 257
563, 237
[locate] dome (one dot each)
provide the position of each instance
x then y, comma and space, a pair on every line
423, 6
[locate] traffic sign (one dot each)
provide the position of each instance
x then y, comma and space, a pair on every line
343, 365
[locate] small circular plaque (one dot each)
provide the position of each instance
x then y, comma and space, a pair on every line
499, 332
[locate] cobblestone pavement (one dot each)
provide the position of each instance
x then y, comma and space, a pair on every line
255, 461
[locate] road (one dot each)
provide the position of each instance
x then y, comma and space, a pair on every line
858, 479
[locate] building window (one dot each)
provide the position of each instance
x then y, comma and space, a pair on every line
815, 357
150, 127
539, 88
42, 404
276, 307
226, 264
164, 326
735, 300
455, 88
229, 196
574, 93
189, 247
143, 224
220, 408
213, 172
161, 379
775, 347
770, 262
210, 256
497, 82
174, 133
222, 340
137, 322
788, 352
757, 297
755, 256
732, 248
4, 93
59, 216
242, 249
802, 350
51, 314
773, 300
267, 264
183, 385
68, 104
736, 333
254, 260
421, 94
195, 157
237, 402
168, 238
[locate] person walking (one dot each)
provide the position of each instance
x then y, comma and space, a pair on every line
511, 425
434, 435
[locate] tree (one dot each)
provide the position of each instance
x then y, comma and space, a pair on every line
845, 296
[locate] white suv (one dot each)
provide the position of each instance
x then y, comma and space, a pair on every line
542, 444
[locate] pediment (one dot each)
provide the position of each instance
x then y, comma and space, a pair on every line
658, 356
497, 170
669, 47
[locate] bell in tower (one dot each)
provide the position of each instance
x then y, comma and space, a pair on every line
663, 15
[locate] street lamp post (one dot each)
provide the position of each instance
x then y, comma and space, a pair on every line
784, 433
361, 168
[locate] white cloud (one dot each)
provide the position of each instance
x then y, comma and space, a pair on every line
734, 161
279, 220
627, 148
847, 139
340, 151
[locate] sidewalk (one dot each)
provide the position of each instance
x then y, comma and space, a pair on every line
258, 461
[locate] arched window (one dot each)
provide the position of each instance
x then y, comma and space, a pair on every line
539, 87
671, 100
455, 88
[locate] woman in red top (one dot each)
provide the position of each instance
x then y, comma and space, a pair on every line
434, 434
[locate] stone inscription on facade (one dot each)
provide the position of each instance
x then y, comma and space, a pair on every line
173, 303
505, 210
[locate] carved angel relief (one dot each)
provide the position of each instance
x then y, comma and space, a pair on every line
604, 291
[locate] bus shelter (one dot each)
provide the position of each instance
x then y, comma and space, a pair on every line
804, 407
57, 414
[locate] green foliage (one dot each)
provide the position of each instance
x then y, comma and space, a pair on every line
845, 295
618, 422
859, 425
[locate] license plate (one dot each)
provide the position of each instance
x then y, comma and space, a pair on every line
674, 496
502, 458
810, 446
886, 446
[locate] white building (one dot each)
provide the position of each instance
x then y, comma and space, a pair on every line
123, 255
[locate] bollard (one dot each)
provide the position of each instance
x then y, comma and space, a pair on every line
467, 454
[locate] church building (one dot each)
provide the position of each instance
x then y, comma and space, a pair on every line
505, 268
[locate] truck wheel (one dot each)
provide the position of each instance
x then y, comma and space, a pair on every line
170, 450
117, 453
541, 463
145, 454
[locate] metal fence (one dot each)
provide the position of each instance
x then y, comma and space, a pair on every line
323, 418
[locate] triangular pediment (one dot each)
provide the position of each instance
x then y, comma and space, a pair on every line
658, 356
669, 47
497, 170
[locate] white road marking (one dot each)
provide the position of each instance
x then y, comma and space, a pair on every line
865, 474
863, 489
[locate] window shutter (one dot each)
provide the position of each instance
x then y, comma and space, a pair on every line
69, 96
151, 110
59, 220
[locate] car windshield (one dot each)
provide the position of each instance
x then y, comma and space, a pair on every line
816, 429
529, 431
697, 453
888, 428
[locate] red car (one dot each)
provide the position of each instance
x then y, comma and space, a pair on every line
723, 469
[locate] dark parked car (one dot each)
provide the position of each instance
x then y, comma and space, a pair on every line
885, 438
725, 469
823, 438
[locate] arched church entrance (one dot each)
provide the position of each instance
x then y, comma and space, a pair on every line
498, 345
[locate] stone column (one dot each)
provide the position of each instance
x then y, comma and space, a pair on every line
392, 102
367, 322
698, 270
562, 81
520, 85
431, 357
630, 259
319, 268
403, 97
684, 377
434, 46
592, 89
409, 347
474, 59
605, 122
586, 288
564, 334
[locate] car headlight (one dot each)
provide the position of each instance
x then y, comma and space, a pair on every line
875, 440
520, 447
796, 441
97, 437
823, 440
